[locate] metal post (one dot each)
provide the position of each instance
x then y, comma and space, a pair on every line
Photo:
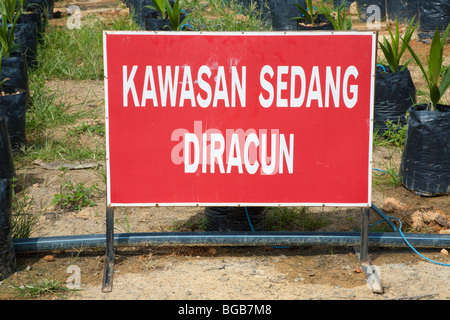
371, 271
364, 249
109, 257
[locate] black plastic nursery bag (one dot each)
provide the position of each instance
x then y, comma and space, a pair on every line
7, 253
283, 11
425, 165
432, 14
394, 94
13, 109
403, 10
235, 218
7, 170
15, 69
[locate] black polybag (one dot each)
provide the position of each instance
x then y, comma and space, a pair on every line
7, 253
27, 40
156, 24
432, 14
139, 9
34, 16
235, 218
394, 94
15, 68
425, 164
403, 10
282, 12
13, 109
7, 170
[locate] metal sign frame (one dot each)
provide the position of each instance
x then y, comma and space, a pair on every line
255, 238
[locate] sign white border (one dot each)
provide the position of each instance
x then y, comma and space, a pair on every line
374, 35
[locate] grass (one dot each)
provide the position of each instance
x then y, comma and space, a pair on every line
43, 287
293, 219
386, 173
23, 219
63, 54
46, 111
194, 223
220, 15
97, 128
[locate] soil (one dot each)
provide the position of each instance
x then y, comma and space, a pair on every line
220, 272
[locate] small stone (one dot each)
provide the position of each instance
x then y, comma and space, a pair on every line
444, 252
28, 268
49, 258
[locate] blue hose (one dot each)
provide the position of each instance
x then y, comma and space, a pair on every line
406, 241
251, 226
385, 218
379, 65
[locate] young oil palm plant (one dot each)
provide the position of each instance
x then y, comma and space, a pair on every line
10, 12
171, 12
340, 20
309, 14
395, 91
393, 51
436, 84
425, 164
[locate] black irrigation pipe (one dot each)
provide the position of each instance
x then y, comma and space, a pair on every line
232, 238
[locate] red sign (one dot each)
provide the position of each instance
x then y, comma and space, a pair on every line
239, 118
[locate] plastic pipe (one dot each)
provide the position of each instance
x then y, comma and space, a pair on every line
231, 239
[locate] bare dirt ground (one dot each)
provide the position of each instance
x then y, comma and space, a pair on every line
216, 273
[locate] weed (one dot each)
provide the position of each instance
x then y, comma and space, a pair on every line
74, 197
23, 220
42, 287
125, 224
295, 218
394, 135
195, 223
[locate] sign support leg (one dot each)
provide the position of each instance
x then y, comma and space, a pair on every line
371, 271
109, 256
